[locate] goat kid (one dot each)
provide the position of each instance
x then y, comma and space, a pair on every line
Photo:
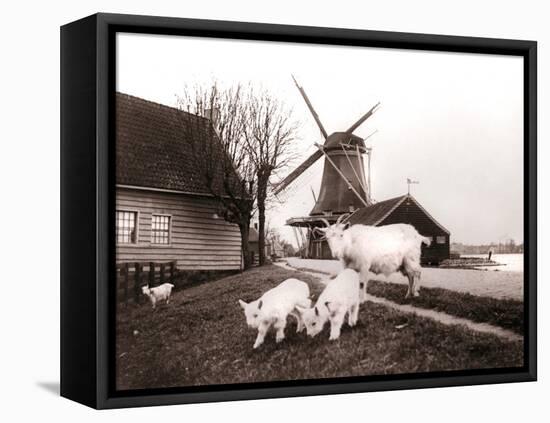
158, 293
273, 308
340, 297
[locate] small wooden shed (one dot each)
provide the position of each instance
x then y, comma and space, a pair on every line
406, 209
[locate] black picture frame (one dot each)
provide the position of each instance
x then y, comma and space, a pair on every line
87, 196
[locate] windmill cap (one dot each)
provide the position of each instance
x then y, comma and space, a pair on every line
337, 139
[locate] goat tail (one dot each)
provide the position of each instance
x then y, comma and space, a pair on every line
426, 240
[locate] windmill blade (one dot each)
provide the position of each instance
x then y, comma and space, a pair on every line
311, 109
362, 119
298, 171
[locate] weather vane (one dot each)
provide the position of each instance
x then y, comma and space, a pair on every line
409, 183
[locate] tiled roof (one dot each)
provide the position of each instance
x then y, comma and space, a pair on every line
154, 146
374, 214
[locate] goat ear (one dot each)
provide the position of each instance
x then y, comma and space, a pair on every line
300, 309
346, 225
327, 305
260, 304
316, 311
243, 304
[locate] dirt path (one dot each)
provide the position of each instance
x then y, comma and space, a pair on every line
438, 316
501, 284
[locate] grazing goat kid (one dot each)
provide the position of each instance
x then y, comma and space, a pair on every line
340, 296
273, 307
158, 293
377, 249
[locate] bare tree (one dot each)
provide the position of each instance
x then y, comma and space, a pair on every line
269, 134
221, 152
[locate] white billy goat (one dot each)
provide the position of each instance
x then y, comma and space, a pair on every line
340, 297
158, 293
273, 307
377, 249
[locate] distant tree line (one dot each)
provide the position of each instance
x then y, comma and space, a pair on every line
507, 247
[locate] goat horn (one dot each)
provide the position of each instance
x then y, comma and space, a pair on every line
347, 217
325, 221
341, 217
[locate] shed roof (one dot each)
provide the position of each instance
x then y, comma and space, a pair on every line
154, 146
377, 213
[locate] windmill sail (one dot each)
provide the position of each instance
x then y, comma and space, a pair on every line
362, 119
311, 109
298, 171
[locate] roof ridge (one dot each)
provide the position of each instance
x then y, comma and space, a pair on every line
390, 211
160, 105
388, 200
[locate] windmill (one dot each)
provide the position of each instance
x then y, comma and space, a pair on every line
344, 187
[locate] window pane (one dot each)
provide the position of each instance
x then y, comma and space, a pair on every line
160, 229
125, 230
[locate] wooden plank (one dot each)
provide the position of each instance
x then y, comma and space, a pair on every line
162, 271
154, 207
213, 241
126, 282
137, 282
143, 256
192, 231
148, 205
151, 273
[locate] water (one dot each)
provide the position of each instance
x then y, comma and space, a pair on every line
510, 262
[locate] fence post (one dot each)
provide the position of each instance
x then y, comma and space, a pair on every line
162, 270
151, 273
172, 271
125, 272
137, 282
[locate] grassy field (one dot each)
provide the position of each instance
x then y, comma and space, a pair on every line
505, 313
201, 338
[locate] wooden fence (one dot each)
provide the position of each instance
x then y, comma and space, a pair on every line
132, 276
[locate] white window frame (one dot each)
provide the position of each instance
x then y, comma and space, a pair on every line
169, 216
440, 239
136, 212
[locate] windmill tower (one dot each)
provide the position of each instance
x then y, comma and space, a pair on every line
344, 187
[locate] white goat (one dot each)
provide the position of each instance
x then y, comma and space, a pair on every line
273, 307
158, 293
377, 249
340, 296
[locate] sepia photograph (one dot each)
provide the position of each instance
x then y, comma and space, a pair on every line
293, 211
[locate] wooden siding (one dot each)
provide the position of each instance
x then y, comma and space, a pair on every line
198, 241
409, 212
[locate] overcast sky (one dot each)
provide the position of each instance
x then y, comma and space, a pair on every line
454, 122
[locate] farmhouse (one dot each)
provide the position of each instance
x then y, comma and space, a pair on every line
164, 212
